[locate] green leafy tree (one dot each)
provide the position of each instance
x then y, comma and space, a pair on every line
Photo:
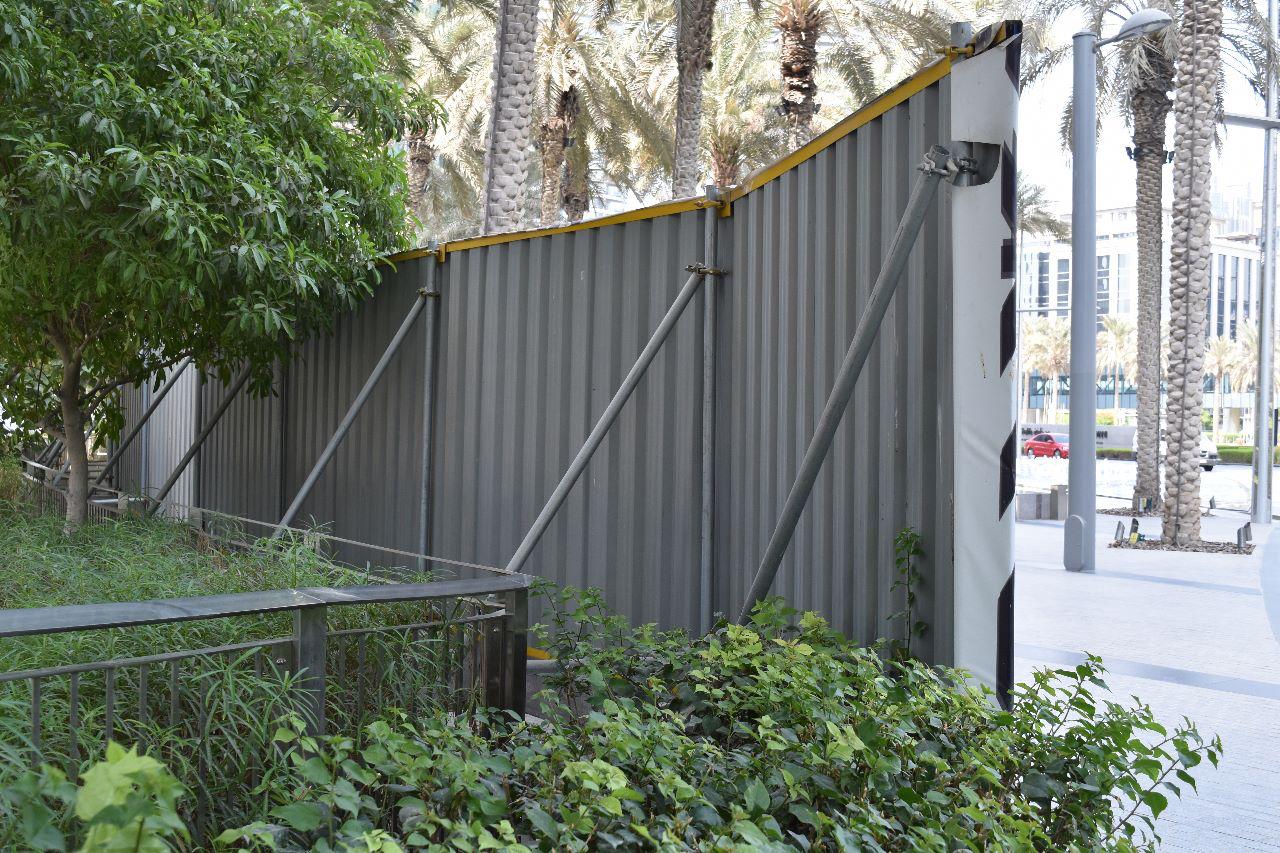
204, 178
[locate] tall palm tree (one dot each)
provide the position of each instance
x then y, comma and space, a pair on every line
598, 113
1113, 346
1035, 214
1031, 349
1136, 78
556, 133
744, 128
447, 167
1051, 358
1219, 358
1194, 114
694, 22
1151, 83
506, 165
800, 22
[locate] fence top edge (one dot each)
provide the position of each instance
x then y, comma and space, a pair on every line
31, 621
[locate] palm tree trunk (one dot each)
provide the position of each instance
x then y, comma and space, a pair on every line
506, 166
694, 19
1150, 109
1115, 399
1194, 112
553, 137
577, 196
418, 165
800, 24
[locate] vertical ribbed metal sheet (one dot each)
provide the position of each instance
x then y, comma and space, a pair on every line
535, 337
369, 491
239, 465
147, 464
804, 251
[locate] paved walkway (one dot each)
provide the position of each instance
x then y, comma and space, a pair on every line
1191, 636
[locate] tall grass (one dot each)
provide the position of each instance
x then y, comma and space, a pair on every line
209, 718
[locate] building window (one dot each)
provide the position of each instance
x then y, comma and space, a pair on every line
1247, 304
1104, 286
1222, 292
1124, 285
1064, 286
1042, 282
1235, 295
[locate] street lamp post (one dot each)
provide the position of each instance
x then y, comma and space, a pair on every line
1078, 549
1079, 541
1262, 437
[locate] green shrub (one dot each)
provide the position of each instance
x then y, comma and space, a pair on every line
1116, 453
1241, 455
213, 723
776, 735
126, 802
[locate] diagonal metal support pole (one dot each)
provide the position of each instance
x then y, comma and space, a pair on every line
937, 165
115, 457
49, 453
200, 439
356, 405
610, 415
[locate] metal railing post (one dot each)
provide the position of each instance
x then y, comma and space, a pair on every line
349, 418
428, 397
133, 433
200, 439
310, 638
933, 169
706, 561
516, 603
494, 684
610, 414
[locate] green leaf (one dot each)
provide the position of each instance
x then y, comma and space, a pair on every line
1155, 801
756, 797
303, 817
542, 821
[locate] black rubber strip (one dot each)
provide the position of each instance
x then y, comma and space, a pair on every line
1008, 331
1008, 471
1004, 644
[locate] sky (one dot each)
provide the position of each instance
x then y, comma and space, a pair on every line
1042, 159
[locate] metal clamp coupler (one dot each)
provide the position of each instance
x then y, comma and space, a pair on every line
703, 269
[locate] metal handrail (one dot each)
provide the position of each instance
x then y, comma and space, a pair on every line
30, 621
270, 526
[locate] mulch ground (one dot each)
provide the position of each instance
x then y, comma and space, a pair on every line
1201, 547
1127, 513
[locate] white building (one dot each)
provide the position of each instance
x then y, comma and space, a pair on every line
1044, 288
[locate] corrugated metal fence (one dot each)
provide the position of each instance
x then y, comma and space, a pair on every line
536, 331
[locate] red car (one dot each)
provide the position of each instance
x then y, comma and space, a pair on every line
1047, 444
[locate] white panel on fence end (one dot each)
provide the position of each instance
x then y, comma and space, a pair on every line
984, 109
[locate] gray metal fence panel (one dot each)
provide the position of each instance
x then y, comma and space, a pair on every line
165, 438
535, 336
536, 332
805, 250
369, 491
239, 464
